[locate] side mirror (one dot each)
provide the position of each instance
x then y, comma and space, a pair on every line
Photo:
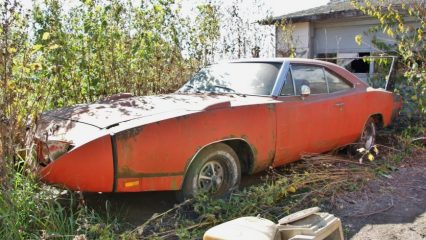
305, 91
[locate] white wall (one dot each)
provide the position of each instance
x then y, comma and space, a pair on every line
339, 37
332, 36
301, 40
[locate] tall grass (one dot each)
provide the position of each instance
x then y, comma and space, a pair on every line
32, 210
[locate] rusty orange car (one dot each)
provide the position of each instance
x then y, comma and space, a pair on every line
229, 119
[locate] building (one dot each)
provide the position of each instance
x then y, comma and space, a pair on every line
329, 31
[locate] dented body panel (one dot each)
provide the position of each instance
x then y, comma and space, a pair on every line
148, 143
165, 149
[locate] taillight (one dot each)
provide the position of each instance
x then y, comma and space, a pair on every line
51, 150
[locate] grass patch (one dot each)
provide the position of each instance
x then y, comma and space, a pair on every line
32, 210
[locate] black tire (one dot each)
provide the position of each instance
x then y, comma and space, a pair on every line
226, 177
367, 140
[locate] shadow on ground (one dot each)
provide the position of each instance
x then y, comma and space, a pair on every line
136, 208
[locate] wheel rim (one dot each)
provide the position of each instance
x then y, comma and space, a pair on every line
368, 136
211, 176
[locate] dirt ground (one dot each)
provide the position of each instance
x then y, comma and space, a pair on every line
391, 207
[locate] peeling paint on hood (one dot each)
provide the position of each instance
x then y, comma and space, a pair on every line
105, 113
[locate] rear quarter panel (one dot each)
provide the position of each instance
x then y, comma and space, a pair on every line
360, 106
381, 102
157, 155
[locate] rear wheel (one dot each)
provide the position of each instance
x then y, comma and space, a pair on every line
367, 139
368, 136
215, 170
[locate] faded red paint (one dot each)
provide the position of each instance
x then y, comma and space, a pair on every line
157, 137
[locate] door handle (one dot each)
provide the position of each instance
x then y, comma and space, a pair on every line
340, 104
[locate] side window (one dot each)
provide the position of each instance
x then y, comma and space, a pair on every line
336, 83
311, 76
288, 89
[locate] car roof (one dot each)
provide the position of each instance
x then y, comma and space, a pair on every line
277, 60
346, 74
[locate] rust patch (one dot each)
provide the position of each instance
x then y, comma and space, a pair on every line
254, 152
126, 172
271, 107
183, 117
322, 144
271, 157
174, 185
229, 136
130, 133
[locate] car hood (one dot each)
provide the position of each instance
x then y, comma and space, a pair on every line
122, 108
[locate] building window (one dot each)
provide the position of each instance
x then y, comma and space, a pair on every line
329, 57
359, 65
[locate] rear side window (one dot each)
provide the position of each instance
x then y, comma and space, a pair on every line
311, 76
336, 83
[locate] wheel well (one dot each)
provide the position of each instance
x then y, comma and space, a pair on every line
378, 120
244, 153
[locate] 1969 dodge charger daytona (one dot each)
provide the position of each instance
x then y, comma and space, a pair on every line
229, 119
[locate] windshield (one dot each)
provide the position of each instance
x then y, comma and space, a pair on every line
252, 78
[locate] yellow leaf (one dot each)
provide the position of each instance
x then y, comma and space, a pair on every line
401, 27
291, 189
11, 85
370, 157
376, 150
414, 98
389, 32
54, 46
11, 50
46, 36
420, 34
36, 66
358, 39
37, 47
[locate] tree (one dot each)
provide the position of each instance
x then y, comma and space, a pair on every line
14, 68
208, 25
404, 22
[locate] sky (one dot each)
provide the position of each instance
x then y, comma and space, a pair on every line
278, 7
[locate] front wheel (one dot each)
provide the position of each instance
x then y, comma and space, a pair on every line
215, 170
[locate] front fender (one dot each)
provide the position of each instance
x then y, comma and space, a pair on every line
86, 168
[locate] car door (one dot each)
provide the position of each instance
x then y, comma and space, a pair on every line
304, 124
349, 104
